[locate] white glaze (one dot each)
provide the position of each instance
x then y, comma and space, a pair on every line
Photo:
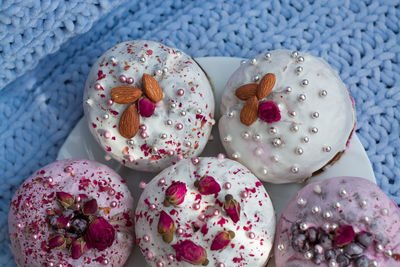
256, 210
335, 122
182, 73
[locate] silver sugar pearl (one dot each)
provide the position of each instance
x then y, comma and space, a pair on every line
332, 263
243, 62
183, 113
295, 169
227, 139
155, 150
384, 212
343, 192
317, 189
178, 53
245, 135
256, 78
267, 56
272, 130
235, 155
257, 137
264, 171
299, 151
303, 226
253, 61
299, 69
165, 70
327, 214
275, 158
327, 149
315, 209
198, 111
230, 114
306, 139
163, 136
106, 116
379, 247
168, 122
363, 203
314, 130
337, 205
188, 144
294, 54
294, 128
323, 93
292, 113
305, 82
308, 255
366, 219
334, 226
131, 142
142, 59
173, 105
288, 89
300, 59
301, 202
314, 115
301, 97
113, 60
277, 142
388, 253
281, 247
374, 264
158, 72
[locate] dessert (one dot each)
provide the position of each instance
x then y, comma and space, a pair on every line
286, 116
205, 211
341, 221
148, 105
72, 213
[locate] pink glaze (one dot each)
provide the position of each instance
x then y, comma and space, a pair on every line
83, 180
349, 201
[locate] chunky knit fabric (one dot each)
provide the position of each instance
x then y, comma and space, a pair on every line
47, 48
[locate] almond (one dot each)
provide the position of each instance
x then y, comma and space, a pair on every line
248, 115
125, 94
246, 91
151, 88
265, 86
129, 122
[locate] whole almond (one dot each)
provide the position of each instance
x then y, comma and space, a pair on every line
265, 86
129, 122
249, 112
151, 88
125, 94
246, 91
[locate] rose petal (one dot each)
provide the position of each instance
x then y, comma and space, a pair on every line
57, 242
269, 112
190, 252
65, 199
232, 208
175, 194
90, 207
344, 235
63, 221
146, 107
207, 185
222, 240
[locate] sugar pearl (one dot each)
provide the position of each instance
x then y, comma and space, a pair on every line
50, 180
323, 93
264, 171
301, 202
131, 158
227, 185
257, 137
142, 185
201, 217
327, 214
230, 114
384, 212
149, 255
146, 238
111, 192
106, 116
244, 194
171, 153
142, 59
303, 226
363, 203
273, 130
97, 86
281, 247
179, 157
253, 61
161, 181
107, 135
235, 155
105, 262
388, 253
301, 97
179, 126
220, 156
256, 78
196, 206
152, 206
122, 78
113, 204
36, 236
220, 264
242, 62
305, 82
306, 139
168, 122
170, 257
110, 102
337, 205
314, 130
294, 54
295, 169
217, 212
130, 80
252, 235
315, 209
308, 255
68, 169
179, 231
332, 263
379, 247
195, 161
299, 69
317, 189
180, 92
288, 89
300, 59
343, 192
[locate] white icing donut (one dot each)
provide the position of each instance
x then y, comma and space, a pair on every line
182, 120
37, 216
317, 117
253, 230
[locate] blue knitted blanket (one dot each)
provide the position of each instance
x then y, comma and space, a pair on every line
48, 46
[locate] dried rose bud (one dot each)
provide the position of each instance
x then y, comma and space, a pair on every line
232, 208
166, 227
207, 185
78, 248
175, 194
146, 107
57, 242
344, 235
50, 212
62, 222
90, 207
190, 252
222, 240
65, 199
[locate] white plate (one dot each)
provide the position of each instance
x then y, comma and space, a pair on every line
80, 144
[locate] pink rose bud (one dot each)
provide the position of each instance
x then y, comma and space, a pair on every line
65, 199
190, 252
175, 194
166, 227
232, 208
100, 234
222, 240
57, 242
63, 221
78, 248
146, 107
344, 235
269, 112
207, 185
90, 207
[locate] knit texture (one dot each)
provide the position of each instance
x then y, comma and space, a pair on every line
39, 108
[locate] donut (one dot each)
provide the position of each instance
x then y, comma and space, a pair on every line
72, 213
341, 221
205, 211
148, 105
286, 116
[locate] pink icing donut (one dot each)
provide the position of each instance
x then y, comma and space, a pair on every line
205, 211
72, 213
341, 221
148, 105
